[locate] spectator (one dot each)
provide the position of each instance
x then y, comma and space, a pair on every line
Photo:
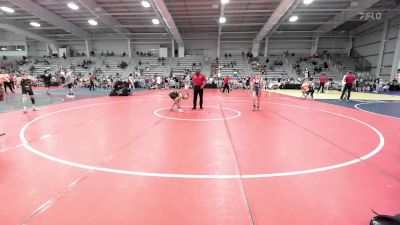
91, 79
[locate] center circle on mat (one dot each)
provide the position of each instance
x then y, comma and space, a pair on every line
375, 151
234, 114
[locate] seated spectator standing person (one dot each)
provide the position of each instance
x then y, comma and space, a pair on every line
349, 81
120, 88
158, 82
322, 80
357, 85
47, 80
186, 82
307, 89
131, 82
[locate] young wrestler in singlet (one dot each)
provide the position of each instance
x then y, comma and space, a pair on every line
26, 83
256, 88
177, 97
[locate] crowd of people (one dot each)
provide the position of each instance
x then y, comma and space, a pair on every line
144, 54
317, 61
123, 65
85, 64
71, 80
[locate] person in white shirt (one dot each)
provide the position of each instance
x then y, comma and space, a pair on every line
187, 82
158, 82
131, 82
69, 80
344, 82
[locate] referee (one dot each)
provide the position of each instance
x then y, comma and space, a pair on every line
199, 82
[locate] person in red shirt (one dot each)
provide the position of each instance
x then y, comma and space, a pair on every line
6, 81
322, 80
91, 79
226, 83
12, 81
1, 90
349, 79
199, 82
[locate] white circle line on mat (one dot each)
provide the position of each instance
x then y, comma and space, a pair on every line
202, 176
156, 112
357, 106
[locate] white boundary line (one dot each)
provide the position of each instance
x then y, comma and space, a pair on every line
201, 176
156, 112
367, 103
10, 148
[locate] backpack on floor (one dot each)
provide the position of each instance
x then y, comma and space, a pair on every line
385, 219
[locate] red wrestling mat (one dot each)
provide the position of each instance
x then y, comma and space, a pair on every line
129, 160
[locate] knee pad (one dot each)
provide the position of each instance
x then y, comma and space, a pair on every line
33, 100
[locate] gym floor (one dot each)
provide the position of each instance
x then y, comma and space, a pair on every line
129, 160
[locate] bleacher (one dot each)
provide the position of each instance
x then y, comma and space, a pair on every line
180, 64
112, 63
310, 67
226, 69
153, 65
273, 71
54, 64
344, 63
74, 61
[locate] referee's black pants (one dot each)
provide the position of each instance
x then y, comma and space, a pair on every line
91, 86
8, 84
226, 86
197, 91
347, 88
